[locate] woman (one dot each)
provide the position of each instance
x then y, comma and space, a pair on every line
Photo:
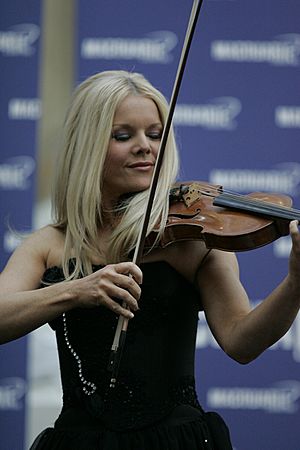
113, 131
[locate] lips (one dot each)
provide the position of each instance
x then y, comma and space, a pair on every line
141, 164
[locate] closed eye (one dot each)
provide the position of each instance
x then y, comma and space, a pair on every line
155, 136
121, 137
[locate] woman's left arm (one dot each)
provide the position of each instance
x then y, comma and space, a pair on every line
244, 333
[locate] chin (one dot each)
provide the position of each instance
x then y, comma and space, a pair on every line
139, 186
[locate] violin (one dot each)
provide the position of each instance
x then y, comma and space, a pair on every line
223, 220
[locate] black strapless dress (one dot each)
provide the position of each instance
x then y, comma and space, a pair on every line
154, 405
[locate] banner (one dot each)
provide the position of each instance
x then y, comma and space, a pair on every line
238, 125
20, 108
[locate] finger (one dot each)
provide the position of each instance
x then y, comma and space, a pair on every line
123, 296
118, 309
127, 283
294, 224
294, 233
130, 268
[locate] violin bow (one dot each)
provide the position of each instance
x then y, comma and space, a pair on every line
120, 334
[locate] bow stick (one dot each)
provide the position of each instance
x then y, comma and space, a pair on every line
120, 334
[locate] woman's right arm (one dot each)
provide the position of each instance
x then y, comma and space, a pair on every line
24, 307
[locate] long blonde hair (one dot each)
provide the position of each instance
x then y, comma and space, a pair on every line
77, 196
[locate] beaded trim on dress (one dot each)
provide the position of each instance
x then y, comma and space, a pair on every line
88, 387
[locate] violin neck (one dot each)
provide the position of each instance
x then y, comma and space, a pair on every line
244, 203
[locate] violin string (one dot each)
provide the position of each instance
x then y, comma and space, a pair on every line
268, 206
249, 200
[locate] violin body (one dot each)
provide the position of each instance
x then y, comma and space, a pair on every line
251, 221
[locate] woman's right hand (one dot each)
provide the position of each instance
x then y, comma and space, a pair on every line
116, 287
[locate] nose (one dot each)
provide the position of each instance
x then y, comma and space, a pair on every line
142, 144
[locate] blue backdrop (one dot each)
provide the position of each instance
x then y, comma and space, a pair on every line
238, 124
19, 109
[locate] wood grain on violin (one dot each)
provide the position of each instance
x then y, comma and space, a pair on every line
223, 220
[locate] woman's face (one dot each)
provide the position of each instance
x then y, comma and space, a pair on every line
134, 143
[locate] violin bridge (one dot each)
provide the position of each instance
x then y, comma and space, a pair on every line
192, 195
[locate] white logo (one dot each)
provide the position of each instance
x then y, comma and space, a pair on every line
156, 47
282, 397
12, 390
19, 40
15, 173
287, 116
283, 178
24, 108
283, 50
219, 114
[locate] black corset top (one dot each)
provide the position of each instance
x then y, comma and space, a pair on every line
157, 367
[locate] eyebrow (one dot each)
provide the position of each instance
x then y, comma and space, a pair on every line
126, 125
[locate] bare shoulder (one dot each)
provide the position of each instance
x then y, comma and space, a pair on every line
200, 265
186, 257
27, 264
219, 259
194, 260
217, 267
42, 242
54, 241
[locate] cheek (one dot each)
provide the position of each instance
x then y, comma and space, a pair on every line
115, 154
108, 167
113, 166
111, 159
155, 149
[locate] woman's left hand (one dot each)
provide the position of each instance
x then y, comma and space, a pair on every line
294, 263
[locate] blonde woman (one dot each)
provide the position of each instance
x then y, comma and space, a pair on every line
74, 275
